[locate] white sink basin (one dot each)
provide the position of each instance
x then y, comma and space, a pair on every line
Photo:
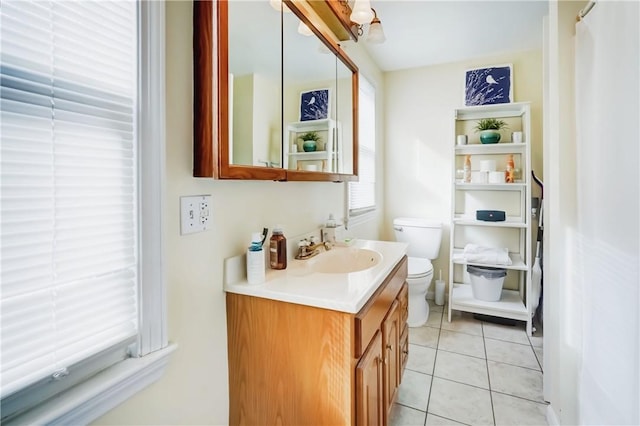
345, 260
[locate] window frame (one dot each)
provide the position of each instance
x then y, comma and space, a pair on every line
83, 403
364, 214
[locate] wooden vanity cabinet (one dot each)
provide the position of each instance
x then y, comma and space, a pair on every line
293, 364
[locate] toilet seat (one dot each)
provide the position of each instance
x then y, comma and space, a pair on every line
419, 267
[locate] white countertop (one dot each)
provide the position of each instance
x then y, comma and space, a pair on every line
345, 292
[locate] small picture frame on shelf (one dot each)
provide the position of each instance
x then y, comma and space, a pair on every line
488, 85
314, 104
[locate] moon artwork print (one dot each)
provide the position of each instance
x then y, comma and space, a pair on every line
314, 105
488, 86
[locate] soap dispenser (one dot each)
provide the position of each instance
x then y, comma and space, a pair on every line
255, 260
331, 232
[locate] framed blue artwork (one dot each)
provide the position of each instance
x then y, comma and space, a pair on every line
489, 85
314, 105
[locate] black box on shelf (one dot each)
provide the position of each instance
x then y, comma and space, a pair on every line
490, 215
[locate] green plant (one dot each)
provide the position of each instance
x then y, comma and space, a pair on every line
310, 136
490, 124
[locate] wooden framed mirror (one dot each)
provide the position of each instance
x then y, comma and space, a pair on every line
252, 65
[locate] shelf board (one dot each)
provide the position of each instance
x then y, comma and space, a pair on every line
510, 222
496, 148
303, 153
514, 109
303, 126
509, 306
516, 186
517, 263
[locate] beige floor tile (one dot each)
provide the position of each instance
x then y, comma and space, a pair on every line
435, 318
511, 353
414, 390
536, 341
516, 381
511, 411
461, 343
462, 403
424, 336
435, 308
463, 322
433, 420
421, 359
539, 354
462, 368
516, 333
406, 416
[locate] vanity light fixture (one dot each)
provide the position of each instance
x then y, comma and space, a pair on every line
376, 33
362, 12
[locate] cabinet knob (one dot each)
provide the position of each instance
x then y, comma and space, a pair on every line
390, 347
406, 352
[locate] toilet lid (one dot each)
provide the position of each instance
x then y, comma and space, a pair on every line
419, 266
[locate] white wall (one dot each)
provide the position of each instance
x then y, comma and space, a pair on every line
195, 387
420, 135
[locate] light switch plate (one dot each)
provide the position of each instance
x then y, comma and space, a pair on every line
195, 213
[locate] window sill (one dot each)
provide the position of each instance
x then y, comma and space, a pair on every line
86, 402
361, 217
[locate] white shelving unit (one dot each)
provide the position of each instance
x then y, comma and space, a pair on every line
513, 198
328, 159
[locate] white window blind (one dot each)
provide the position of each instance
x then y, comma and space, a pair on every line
69, 263
362, 195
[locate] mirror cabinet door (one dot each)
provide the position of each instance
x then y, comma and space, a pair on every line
255, 71
309, 97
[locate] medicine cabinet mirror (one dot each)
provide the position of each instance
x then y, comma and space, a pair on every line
262, 79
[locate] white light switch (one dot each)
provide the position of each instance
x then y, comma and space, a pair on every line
195, 213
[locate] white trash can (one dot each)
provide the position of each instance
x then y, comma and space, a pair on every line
486, 282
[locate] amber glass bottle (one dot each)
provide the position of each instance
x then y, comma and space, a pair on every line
510, 178
278, 249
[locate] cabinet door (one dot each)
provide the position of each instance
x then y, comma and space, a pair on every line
369, 393
391, 342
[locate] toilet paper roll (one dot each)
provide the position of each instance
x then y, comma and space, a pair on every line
488, 165
496, 177
479, 177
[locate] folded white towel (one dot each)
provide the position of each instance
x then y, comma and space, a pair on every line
478, 254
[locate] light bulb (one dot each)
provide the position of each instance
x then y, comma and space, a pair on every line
362, 13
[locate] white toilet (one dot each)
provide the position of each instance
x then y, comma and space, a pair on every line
424, 237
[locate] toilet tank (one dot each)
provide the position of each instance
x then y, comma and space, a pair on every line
423, 236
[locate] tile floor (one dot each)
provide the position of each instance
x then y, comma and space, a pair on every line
470, 372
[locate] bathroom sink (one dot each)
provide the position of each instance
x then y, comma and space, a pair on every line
346, 260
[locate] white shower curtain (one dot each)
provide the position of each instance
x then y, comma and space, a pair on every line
608, 176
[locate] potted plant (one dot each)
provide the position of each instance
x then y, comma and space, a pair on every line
489, 129
309, 141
